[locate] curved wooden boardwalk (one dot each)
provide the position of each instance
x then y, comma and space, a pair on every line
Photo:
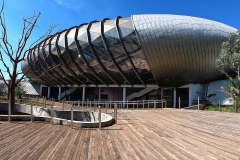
140, 134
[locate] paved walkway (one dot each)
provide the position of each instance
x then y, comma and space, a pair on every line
140, 134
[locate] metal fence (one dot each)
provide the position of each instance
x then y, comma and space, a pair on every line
142, 104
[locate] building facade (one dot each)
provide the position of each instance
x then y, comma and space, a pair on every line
155, 50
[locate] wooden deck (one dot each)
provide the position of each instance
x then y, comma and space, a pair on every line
140, 134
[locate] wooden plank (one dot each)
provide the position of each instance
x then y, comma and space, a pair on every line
140, 134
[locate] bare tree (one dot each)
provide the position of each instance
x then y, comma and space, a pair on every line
16, 56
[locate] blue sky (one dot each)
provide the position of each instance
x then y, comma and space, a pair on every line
68, 13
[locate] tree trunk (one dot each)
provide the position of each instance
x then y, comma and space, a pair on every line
238, 90
12, 100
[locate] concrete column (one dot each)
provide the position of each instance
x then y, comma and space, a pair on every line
161, 93
40, 94
189, 97
124, 96
59, 93
83, 94
174, 97
48, 94
99, 93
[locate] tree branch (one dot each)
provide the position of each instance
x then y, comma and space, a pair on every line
8, 47
5, 65
4, 78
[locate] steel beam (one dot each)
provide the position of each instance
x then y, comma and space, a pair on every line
64, 62
84, 58
110, 53
53, 70
36, 69
126, 52
43, 69
95, 54
69, 53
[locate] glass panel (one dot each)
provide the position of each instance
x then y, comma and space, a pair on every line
58, 66
96, 27
31, 74
95, 36
131, 38
84, 48
117, 47
77, 57
37, 66
41, 51
124, 20
108, 27
106, 60
111, 41
71, 36
82, 44
83, 28
136, 54
51, 65
46, 48
83, 37
128, 25
110, 32
125, 32
131, 47
110, 23
53, 46
116, 55
61, 42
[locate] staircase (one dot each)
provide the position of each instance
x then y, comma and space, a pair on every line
140, 93
68, 92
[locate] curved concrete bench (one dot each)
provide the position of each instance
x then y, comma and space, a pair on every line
80, 118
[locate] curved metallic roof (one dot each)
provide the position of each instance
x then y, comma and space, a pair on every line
97, 53
168, 50
181, 49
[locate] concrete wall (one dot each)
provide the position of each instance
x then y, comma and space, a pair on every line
195, 91
215, 88
37, 111
77, 115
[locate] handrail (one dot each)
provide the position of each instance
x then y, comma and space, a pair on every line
121, 104
144, 104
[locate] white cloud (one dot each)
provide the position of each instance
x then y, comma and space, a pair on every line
60, 2
87, 8
71, 4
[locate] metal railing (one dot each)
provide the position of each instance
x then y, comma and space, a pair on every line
142, 104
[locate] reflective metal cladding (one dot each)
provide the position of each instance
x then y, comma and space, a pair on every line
167, 50
181, 49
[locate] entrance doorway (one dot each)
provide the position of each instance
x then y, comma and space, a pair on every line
183, 93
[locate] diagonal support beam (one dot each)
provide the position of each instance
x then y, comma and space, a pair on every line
69, 53
54, 61
84, 58
126, 52
64, 62
35, 69
95, 54
110, 53
57, 75
42, 69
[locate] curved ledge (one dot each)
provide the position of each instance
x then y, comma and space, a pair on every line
81, 118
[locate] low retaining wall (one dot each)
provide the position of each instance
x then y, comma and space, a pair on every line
23, 108
80, 118
195, 107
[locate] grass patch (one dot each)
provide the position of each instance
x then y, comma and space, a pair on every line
215, 107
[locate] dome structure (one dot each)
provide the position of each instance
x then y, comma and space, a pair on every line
163, 50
